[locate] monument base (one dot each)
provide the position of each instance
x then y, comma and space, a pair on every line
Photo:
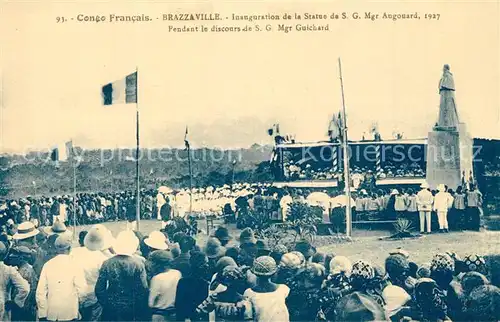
443, 159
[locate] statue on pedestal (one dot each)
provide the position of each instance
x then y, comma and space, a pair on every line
448, 116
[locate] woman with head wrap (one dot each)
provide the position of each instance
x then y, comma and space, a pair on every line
442, 272
475, 263
336, 285
471, 280
304, 300
228, 305
430, 301
289, 266
215, 282
267, 298
365, 279
398, 270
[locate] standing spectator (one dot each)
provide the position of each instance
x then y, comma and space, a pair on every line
222, 234
22, 258
228, 304
163, 286
424, 205
442, 202
474, 203
90, 259
181, 262
285, 203
268, 299
131, 214
11, 282
121, 288
400, 205
35, 213
61, 284
165, 213
55, 209
193, 289
412, 207
458, 216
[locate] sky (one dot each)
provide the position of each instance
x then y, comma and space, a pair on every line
229, 88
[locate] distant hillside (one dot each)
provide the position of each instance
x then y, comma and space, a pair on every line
114, 170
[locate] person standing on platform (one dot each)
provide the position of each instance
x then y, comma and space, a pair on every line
459, 209
474, 203
424, 205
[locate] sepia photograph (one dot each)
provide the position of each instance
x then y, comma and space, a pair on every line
250, 161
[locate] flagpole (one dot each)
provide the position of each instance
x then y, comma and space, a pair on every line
74, 188
190, 182
138, 201
347, 180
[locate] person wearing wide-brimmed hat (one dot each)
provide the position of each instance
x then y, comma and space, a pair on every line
267, 298
61, 284
12, 283
25, 234
214, 251
57, 228
122, 288
222, 234
156, 241
91, 258
22, 258
424, 205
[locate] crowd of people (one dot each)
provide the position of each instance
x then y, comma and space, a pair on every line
427, 210
455, 210
131, 277
305, 171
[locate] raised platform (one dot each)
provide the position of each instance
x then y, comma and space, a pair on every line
307, 184
400, 181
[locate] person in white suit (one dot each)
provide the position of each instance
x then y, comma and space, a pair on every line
442, 202
424, 205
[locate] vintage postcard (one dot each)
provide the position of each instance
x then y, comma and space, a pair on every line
250, 160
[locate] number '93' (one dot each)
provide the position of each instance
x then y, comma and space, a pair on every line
60, 19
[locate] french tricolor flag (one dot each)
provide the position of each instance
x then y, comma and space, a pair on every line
123, 91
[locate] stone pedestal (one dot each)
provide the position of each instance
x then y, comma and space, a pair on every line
443, 159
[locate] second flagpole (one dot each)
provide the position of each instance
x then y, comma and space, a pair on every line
137, 151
